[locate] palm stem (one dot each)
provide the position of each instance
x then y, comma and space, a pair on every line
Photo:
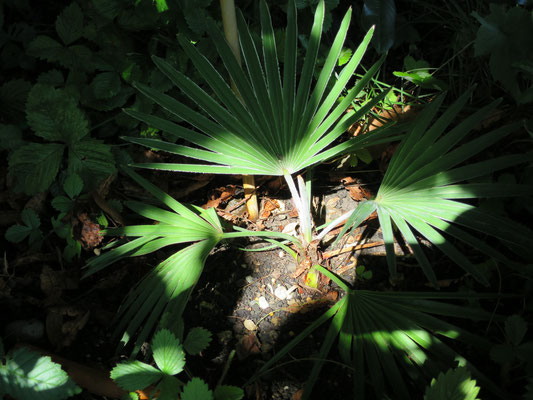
229, 21
299, 197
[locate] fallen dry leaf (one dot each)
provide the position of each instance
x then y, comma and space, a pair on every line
268, 207
90, 232
248, 345
220, 195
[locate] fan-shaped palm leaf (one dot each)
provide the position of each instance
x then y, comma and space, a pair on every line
273, 127
166, 289
390, 336
421, 187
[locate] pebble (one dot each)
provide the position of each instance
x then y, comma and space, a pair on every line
281, 292
250, 325
263, 303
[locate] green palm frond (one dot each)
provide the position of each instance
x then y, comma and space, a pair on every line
391, 337
274, 126
166, 289
420, 191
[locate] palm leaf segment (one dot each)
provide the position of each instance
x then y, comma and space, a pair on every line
389, 338
271, 128
422, 183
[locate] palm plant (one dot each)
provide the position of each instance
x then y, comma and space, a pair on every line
272, 127
280, 127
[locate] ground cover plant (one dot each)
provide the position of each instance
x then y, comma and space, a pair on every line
286, 111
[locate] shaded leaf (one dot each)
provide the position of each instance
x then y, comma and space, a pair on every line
17, 233
69, 23
92, 160
196, 389
35, 166
54, 115
62, 203
197, 340
73, 185
227, 392
106, 85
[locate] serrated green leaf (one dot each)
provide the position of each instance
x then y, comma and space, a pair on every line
108, 8
17, 233
71, 250
169, 388
30, 218
196, 389
515, 329
197, 340
10, 137
168, 352
227, 392
53, 78
106, 85
69, 24
92, 160
455, 384
135, 375
35, 166
73, 185
46, 48
197, 20
62, 203
30, 376
54, 115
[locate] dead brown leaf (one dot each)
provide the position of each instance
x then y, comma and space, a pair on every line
248, 344
90, 232
220, 195
268, 207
